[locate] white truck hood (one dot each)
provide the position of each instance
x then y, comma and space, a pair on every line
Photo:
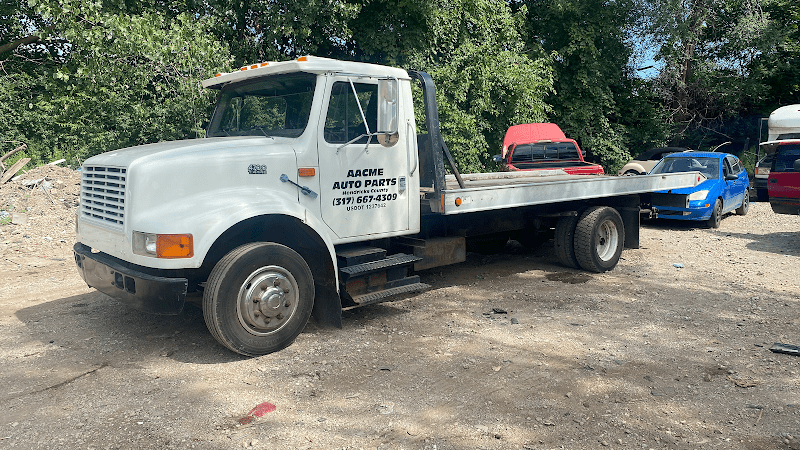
125, 156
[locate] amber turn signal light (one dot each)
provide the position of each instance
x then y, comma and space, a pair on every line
306, 172
174, 246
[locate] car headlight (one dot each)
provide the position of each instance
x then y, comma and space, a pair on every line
699, 195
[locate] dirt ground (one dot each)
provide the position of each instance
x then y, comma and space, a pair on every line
510, 351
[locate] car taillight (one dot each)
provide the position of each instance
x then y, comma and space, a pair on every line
762, 171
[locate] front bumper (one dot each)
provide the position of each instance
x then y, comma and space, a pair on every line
683, 213
149, 293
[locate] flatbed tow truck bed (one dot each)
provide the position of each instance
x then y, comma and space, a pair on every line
493, 191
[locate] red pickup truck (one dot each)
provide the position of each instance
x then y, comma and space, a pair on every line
784, 178
538, 146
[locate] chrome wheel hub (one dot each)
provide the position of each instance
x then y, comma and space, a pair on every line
267, 299
607, 240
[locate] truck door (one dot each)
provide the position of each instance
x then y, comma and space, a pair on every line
363, 183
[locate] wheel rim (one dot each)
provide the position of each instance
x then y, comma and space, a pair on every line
746, 201
607, 240
717, 213
267, 300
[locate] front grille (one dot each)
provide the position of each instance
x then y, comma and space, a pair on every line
103, 194
671, 200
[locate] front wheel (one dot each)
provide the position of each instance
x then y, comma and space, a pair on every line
716, 215
599, 239
258, 298
745, 206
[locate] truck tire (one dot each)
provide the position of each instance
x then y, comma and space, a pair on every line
762, 195
258, 298
716, 215
564, 241
745, 206
599, 239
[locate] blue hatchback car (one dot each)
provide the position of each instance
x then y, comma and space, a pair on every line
726, 188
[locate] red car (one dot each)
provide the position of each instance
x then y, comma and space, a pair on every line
538, 146
784, 178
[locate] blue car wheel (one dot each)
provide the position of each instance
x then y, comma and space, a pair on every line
745, 206
716, 215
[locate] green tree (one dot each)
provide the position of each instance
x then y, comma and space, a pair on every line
594, 88
103, 78
777, 66
706, 49
486, 78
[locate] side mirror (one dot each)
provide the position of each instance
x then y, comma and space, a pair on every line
388, 92
797, 165
731, 177
498, 159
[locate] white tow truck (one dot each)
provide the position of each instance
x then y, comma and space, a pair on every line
316, 191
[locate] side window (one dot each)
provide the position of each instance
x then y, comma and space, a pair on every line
344, 121
726, 167
737, 167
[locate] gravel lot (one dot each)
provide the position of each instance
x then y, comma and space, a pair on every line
510, 351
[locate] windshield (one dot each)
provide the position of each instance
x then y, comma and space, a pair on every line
271, 106
707, 166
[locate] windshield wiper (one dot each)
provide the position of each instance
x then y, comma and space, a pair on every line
263, 132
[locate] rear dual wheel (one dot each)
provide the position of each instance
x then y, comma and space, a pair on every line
258, 298
599, 239
593, 241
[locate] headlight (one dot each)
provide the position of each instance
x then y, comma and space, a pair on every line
144, 244
699, 195
166, 246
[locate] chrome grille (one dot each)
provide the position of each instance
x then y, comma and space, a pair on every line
103, 194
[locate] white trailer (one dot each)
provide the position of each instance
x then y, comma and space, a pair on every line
316, 192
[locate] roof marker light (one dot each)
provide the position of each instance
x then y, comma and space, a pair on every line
302, 59
218, 75
254, 66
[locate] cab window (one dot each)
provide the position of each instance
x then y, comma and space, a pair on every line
344, 122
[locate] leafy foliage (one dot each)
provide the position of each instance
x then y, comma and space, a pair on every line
81, 77
591, 55
116, 80
485, 80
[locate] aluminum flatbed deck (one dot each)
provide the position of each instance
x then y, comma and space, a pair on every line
492, 191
